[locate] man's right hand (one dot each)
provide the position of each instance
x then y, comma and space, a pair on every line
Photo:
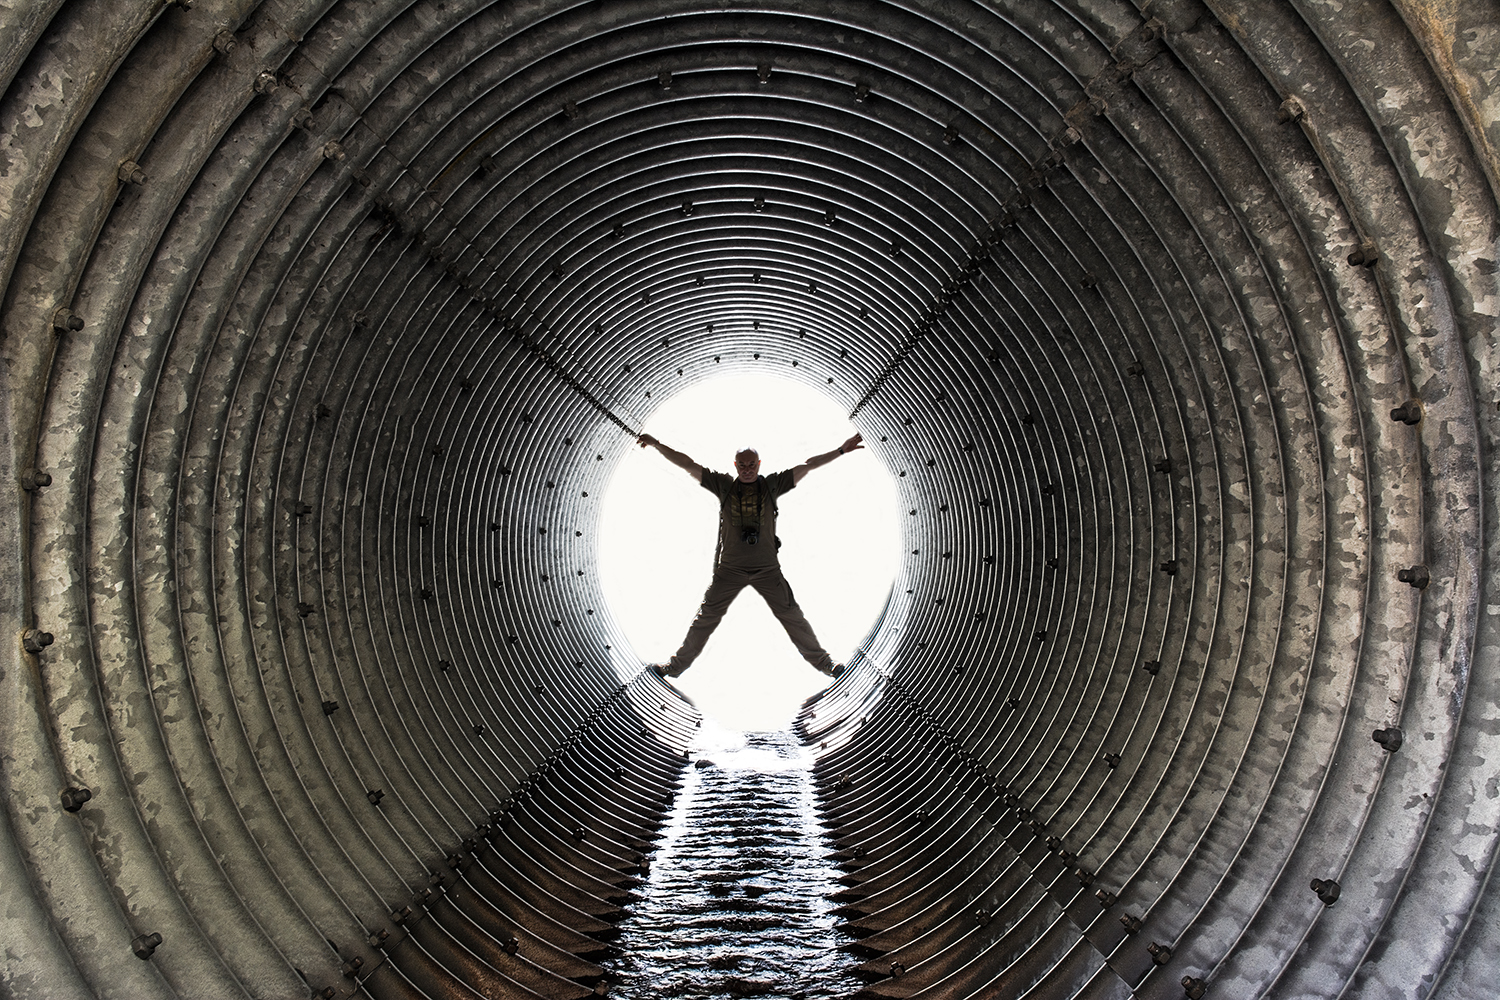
672, 455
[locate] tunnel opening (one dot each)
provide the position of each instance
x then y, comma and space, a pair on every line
840, 532
325, 322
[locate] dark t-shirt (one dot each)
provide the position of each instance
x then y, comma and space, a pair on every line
747, 505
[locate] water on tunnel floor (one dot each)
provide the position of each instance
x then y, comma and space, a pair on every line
737, 904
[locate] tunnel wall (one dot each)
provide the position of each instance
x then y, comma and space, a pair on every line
324, 325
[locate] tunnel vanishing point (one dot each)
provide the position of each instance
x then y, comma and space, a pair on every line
1174, 322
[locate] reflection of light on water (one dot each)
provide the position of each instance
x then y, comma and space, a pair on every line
737, 900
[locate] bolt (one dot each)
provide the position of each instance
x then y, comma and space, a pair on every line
329, 707
1417, 576
861, 92
1160, 954
64, 320
1106, 898
1112, 760
664, 80
479, 729
303, 118
1408, 413
687, 206
1327, 890
1291, 110
763, 73
304, 609
265, 82
352, 967
570, 111
1132, 924
145, 945
1169, 567
1389, 738
130, 172
375, 795
74, 798
1194, 988
1365, 255
758, 205
1151, 667
224, 43
950, 135
35, 640
333, 151
1165, 465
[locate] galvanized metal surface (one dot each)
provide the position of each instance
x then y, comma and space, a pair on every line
1123, 293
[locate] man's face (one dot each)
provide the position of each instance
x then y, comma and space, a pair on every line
747, 464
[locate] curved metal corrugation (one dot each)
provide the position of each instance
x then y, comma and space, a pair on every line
1174, 322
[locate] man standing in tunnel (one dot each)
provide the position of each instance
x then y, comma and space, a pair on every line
746, 554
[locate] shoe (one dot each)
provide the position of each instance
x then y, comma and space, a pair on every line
661, 670
835, 670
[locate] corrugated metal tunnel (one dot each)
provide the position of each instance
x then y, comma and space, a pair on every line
1174, 322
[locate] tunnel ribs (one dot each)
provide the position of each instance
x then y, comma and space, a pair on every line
325, 325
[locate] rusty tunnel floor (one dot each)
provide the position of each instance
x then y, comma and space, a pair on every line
737, 904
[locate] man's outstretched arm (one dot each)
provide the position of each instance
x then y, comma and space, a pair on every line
853, 444
674, 456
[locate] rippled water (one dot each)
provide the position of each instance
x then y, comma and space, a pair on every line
737, 900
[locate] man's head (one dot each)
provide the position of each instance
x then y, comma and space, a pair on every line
747, 465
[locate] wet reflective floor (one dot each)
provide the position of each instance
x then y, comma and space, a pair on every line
737, 900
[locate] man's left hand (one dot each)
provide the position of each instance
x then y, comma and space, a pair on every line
853, 444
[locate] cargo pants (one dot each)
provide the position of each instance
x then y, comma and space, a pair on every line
768, 581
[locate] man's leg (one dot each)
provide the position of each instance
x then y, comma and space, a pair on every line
771, 585
722, 590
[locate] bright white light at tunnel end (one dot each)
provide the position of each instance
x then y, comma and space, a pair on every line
840, 551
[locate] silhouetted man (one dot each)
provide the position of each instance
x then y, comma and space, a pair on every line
746, 553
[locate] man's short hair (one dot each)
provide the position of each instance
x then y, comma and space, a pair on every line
744, 450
